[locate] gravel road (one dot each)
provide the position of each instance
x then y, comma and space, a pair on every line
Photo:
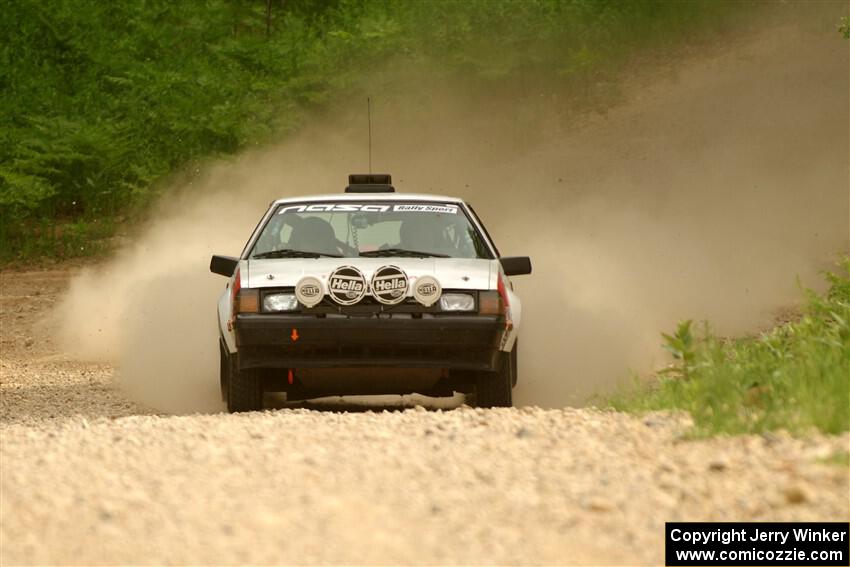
89, 477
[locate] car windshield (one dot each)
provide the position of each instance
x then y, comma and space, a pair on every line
370, 229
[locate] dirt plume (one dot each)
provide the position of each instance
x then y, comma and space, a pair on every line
703, 195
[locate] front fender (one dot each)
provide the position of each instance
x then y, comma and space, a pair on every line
224, 310
516, 318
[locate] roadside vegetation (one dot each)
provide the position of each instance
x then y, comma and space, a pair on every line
794, 377
100, 102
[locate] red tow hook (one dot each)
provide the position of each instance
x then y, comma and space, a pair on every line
290, 377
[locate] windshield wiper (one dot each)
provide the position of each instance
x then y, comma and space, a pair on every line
288, 253
387, 252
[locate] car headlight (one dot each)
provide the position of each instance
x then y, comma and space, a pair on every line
457, 302
275, 302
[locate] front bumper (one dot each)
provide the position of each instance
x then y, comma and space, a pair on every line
461, 342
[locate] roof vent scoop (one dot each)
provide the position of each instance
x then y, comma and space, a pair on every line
370, 183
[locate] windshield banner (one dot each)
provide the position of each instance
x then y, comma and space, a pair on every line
370, 208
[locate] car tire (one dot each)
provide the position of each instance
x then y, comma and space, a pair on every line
514, 363
493, 389
224, 368
244, 390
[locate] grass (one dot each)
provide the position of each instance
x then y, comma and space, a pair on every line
840, 459
794, 377
63, 240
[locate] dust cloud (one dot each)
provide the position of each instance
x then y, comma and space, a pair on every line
704, 194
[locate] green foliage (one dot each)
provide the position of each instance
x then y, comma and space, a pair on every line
844, 27
840, 459
69, 239
794, 377
99, 101
681, 346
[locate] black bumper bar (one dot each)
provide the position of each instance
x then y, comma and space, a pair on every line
468, 342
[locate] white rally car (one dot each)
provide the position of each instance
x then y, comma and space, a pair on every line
369, 292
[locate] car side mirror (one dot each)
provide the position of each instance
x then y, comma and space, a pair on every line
516, 265
223, 265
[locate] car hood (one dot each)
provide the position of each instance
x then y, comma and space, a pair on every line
452, 273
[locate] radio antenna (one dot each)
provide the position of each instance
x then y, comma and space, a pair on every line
369, 113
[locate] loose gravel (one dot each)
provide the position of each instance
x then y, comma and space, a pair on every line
90, 477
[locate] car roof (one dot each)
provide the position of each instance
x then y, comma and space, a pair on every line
370, 197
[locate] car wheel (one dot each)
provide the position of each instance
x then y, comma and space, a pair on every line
244, 390
493, 389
